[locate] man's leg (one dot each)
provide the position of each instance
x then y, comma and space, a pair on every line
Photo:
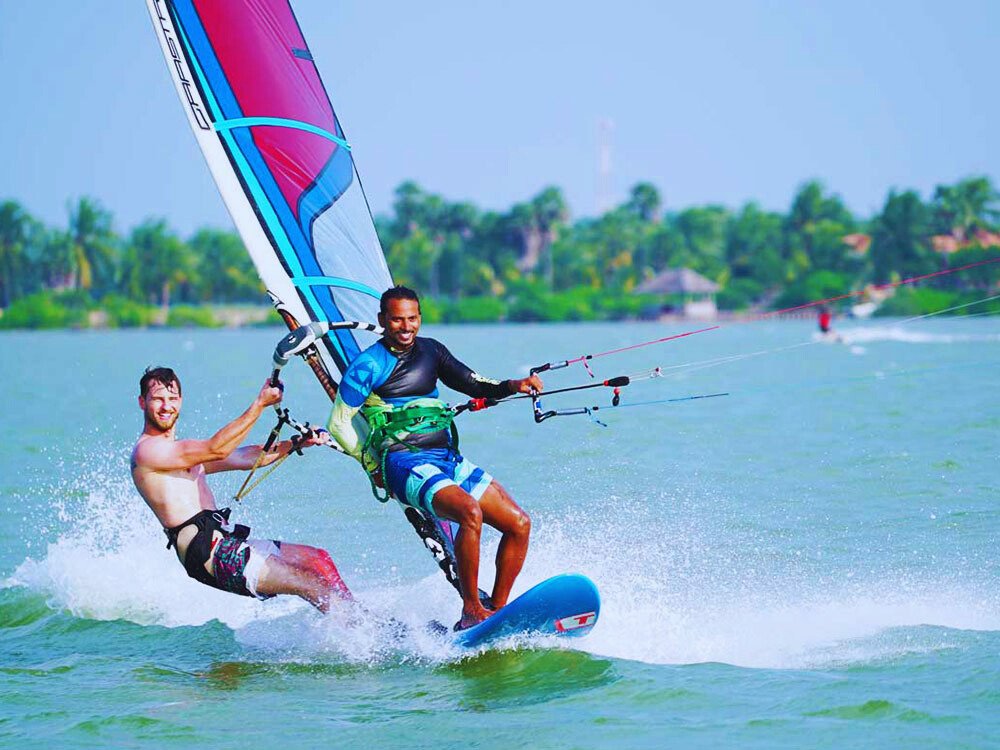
455, 504
502, 513
304, 571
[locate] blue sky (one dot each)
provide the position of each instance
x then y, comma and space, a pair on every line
718, 102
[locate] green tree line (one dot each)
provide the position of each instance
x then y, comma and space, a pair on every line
533, 261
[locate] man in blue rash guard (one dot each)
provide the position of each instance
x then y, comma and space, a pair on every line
397, 377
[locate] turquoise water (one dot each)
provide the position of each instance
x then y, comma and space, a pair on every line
811, 560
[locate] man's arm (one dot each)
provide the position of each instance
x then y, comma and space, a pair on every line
366, 373
341, 426
463, 379
246, 457
170, 455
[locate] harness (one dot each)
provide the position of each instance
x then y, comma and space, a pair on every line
389, 426
207, 522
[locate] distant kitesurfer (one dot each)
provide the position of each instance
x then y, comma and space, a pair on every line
826, 332
825, 317
170, 476
412, 452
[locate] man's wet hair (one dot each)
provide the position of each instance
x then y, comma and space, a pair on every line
162, 375
397, 292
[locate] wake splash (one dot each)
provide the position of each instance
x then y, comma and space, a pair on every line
673, 592
671, 599
110, 563
898, 333
846, 627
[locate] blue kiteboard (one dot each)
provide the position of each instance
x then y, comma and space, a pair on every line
563, 605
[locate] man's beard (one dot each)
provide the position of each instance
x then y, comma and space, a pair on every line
398, 345
152, 421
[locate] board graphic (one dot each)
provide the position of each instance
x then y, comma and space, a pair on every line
565, 605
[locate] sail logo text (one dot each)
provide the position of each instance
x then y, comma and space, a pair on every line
190, 95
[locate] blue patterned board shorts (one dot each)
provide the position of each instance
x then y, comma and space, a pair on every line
413, 477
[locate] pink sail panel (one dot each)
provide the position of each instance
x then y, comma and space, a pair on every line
257, 51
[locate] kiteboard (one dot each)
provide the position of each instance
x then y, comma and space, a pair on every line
565, 605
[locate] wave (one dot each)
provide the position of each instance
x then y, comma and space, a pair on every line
674, 591
871, 334
110, 563
672, 596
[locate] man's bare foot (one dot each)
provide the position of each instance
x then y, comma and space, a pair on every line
472, 618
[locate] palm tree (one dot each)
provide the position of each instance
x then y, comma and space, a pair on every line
410, 208
644, 201
753, 245
811, 208
538, 222
551, 211
900, 237
524, 222
59, 260
414, 259
92, 244
14, 232
225, 272
458, 221
156, 262
971, 204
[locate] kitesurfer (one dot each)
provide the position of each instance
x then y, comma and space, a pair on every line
170, 475
824, 318
412, 449
826, 332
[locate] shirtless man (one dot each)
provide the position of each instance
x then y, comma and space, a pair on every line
170, 476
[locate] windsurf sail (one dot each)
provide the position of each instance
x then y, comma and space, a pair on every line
263, 119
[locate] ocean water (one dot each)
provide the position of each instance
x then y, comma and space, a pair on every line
811, 560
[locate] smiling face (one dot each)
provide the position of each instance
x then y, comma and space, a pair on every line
401, 321
161, 406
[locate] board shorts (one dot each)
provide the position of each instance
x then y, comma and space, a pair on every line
237, 564
414, 477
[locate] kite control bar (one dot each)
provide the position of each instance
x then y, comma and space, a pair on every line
536, 398
617, 383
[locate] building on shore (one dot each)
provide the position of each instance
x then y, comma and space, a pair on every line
686, 293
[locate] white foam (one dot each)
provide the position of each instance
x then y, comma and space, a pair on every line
909, 335
112, 564
672, 601
671, 593
794, 633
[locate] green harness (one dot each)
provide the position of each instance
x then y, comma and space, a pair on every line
388, 426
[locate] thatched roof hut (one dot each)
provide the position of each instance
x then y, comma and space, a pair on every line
697, 292
677, 281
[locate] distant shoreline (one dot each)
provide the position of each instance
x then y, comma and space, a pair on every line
533, 262
48, 313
